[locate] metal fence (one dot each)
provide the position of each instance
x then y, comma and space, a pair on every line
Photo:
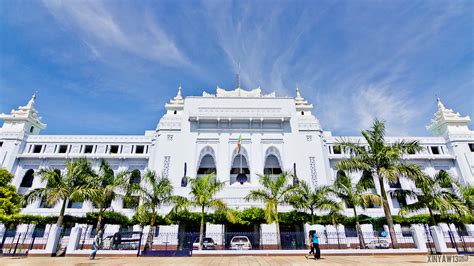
19, 244
114, 241
288, 241
461, 240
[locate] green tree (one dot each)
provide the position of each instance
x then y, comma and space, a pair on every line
383, 161
276, 191
305, 198
202, 196
9, 198
153, 191
354, 195
109, 186
440, 195
76, 183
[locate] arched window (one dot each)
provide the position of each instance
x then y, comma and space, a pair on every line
236, 165
272, 165
32, 128
175, 112
207, 165
135, 177
302, 112
27, 180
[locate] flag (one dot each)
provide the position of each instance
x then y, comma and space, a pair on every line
239, 143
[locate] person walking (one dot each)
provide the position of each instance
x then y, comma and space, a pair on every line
316, 249
313, 242
95, 246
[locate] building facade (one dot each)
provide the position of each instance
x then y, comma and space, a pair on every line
202, 134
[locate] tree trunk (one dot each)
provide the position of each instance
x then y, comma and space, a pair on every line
277, 223
432, 218
388, 214
359, 230
201, 229
59, 223
312, 216
99, 222
149, 238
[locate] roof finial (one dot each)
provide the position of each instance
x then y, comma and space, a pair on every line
440, 104
178, 95
31, 102
237, 78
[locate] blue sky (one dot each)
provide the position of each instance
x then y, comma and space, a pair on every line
109, 67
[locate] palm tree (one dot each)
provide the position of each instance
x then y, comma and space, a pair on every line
275, 191
76, 183
355, 195
438, 195
154, 191
203, 191
383, 161
109, 187
334, 216
306, 198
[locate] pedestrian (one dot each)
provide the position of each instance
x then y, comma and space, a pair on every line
95, 245
310, 243
316, 249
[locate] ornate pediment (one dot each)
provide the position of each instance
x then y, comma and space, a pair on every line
238, 92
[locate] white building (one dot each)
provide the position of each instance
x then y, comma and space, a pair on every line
199, 135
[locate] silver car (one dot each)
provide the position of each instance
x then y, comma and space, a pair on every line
378, 244
240, 243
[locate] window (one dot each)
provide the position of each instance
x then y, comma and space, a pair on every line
88, 149
130, 202
44, 204
114, 149
37, 148
395, 184
74, 204
170, 137
175, 112
302, 112
272, 165
207, 165
337, 149
471, 146
32, 128
434, 149
406, 231
1, 144
27, 180
62, 149
139, 149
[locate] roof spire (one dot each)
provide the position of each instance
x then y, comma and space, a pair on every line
31, 102
237, 78
440, 104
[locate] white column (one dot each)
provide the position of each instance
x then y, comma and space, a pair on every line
438, 239
419, 237
53, 239
216, 232
168, 235
74, 238
268, 234
469, 229
367, 232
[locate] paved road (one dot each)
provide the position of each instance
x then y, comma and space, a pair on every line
230, 261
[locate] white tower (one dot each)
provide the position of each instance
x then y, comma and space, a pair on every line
23, 120
454, 128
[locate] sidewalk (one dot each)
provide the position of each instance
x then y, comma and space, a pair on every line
230, 261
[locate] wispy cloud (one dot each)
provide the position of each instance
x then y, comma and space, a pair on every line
102, 27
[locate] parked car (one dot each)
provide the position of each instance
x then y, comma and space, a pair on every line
380, 243
240, 242
207, 243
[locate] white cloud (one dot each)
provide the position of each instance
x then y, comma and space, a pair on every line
108, 32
